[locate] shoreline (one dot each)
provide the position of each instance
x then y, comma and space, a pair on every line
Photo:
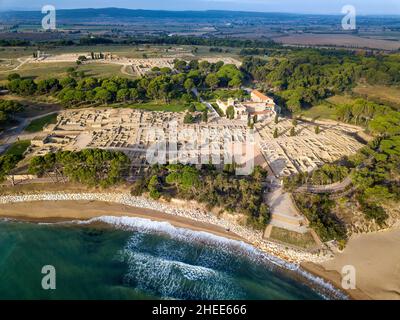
84, 210
64, 207
165, 211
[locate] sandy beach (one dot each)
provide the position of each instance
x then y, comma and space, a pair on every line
376, 258
51, 211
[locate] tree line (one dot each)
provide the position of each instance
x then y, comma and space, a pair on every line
92, 167
161, 84
209, 186
304, 76
8, 108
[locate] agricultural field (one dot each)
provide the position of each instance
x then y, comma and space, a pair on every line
337, 40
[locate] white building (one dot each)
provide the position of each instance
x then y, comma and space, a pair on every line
240, 110
260, 105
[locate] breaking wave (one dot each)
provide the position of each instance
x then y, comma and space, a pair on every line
167, 268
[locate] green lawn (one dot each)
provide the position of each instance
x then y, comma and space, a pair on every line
18, 148
326, 109
153, 106
39, 124
200, 106
290, 237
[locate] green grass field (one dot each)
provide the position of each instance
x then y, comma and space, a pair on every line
290, 237
326, 109
200, 107
18, 148
39, 124
58, 70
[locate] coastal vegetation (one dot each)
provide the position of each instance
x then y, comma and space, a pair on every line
326, 174
207, 185
92, 167
7, 163
13, 155
319, 211
374, 173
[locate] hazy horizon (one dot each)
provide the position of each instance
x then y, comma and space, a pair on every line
363, 7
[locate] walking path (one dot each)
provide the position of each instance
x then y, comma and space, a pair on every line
284, 213
329, 188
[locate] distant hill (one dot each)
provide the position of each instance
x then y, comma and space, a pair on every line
118, 15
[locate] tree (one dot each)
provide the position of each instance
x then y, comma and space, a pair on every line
235, 82
212, 81
180, 65
27, 87
188, 118
123, 95
103, 95
230, 112
154, 187
93, 167
276, 133
13, 76
204, 115
189, 85
294, 122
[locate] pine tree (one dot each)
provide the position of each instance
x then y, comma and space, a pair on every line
276, 133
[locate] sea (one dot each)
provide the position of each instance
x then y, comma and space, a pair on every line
134, 258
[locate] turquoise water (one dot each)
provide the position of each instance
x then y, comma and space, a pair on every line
136, 259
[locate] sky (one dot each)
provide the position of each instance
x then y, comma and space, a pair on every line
294, 6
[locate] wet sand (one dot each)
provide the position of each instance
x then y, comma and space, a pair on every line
52, 211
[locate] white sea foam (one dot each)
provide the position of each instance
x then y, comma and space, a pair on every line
266, 250
169, 278
148, 226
